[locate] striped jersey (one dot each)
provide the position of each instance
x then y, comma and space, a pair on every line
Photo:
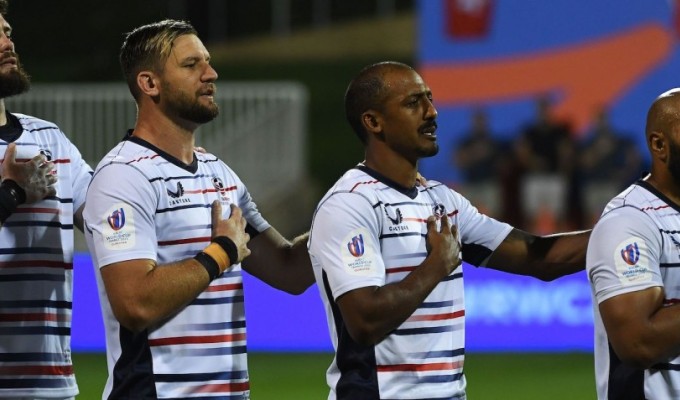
634, 246
36, 268
369, 231
145, 204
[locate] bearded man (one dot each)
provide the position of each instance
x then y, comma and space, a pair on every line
170, 228
42, 194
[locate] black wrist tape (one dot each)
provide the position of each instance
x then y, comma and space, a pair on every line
17, 191
209, 264
229, 247
11, 195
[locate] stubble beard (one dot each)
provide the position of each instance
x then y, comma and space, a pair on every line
185, 107
674, 161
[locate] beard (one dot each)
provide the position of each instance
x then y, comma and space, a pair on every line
674, 161
181, 105
15, 81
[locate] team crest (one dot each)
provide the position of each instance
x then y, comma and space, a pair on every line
47, 154
439, 210
218, 184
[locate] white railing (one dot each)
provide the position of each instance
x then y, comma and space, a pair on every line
260, 132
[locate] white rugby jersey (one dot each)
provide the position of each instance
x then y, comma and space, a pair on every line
36, 271
145, 204
369, 231
634, 246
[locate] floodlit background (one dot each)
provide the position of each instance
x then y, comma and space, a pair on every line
284, 66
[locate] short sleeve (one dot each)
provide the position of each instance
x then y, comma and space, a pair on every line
623, 254
480, 234
344, 243
81, 173
250, 211
119, 214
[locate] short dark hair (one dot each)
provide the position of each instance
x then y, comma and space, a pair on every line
367, 91
4, 5
148, 47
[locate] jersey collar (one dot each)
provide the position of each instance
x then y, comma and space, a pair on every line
658, 194
193, 167
411, 192
12, 130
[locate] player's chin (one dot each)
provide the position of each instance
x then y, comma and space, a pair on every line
431, 150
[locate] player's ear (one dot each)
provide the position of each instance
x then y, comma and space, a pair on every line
148, 85
657, 145
371, 121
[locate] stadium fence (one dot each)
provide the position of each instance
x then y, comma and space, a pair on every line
260, 132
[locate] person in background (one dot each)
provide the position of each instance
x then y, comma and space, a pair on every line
387, 252
171, 229
608, 163
478, 157
632, 266
544, 151
44, 180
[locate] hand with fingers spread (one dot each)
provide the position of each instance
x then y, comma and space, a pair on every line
35, 177
232, 228
443, 244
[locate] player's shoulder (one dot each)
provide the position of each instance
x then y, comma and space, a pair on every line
31, 123
207, 157
636, 206
353, 185
639, 197
126, 156
441, 191
356, 181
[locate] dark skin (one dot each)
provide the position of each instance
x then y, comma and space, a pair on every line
640, 329
400, 133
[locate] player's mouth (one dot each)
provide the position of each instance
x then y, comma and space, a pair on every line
209, 91
8, 59
429, 129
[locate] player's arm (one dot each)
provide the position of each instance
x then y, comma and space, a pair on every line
143, 293
371, 313
279, 262
78, 218
640, 329
24, 182
81, 175
624, 253
543, 257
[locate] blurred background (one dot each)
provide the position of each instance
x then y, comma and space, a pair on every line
541, 107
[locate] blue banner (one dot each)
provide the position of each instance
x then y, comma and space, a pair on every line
504, 313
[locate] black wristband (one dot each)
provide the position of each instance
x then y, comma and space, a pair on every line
11, 195
209, 264
229, 247
17, 191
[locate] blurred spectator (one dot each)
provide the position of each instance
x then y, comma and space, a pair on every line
608, 162
476, 155
544, 152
